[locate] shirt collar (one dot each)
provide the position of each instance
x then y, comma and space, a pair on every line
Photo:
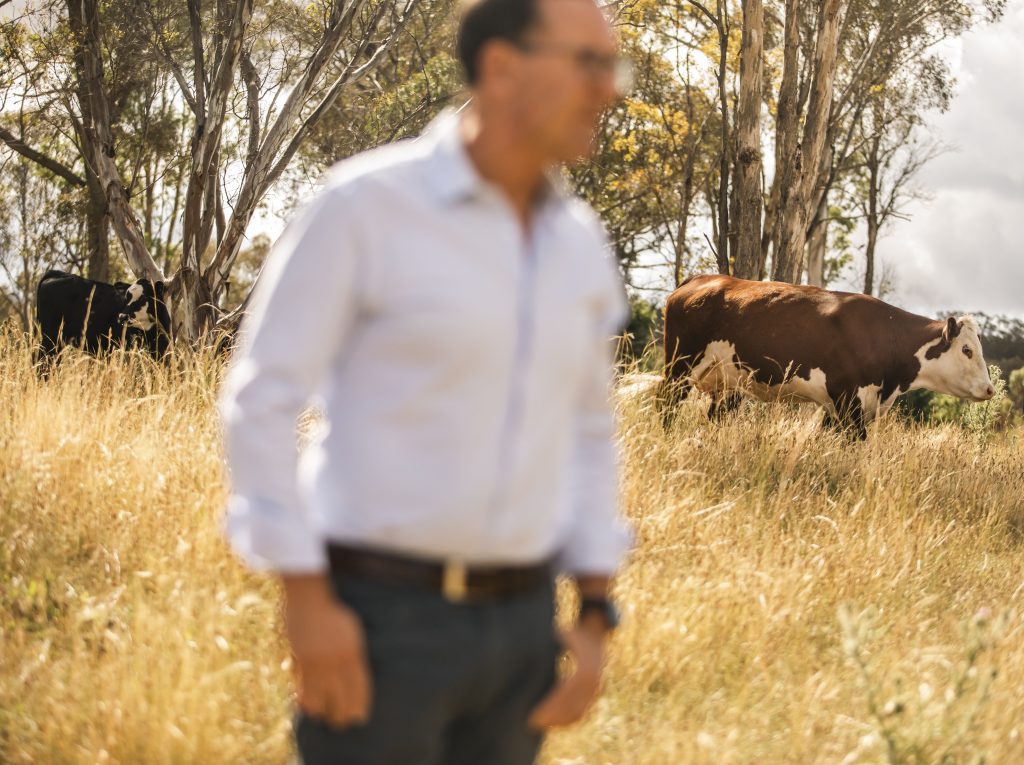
454, 177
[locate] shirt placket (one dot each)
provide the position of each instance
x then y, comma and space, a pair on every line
510, 435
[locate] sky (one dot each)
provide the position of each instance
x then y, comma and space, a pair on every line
963, 248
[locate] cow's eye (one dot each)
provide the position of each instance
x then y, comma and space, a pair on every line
968, 352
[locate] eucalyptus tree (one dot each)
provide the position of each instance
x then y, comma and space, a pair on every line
234, 88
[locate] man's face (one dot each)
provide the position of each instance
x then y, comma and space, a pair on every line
565, 78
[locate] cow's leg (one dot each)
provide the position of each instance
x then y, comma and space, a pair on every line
672, 392
675, 388
849, 418
858, 421
830, 421
723, 403
49, 346
44, 356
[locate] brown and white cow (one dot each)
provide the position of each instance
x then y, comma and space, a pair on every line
850, 353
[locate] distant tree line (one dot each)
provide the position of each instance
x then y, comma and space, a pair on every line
144, 138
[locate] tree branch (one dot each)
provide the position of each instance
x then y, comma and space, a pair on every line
176, 70
198, 63
712, 17
55, 167
271, 164
252, 89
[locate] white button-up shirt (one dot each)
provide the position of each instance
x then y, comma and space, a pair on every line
462, 364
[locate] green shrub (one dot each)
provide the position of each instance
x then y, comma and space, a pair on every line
998, 413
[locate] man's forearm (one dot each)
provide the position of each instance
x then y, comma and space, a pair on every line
305, 589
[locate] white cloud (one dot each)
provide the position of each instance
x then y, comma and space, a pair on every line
964, 248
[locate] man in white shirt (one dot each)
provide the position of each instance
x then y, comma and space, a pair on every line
450, 306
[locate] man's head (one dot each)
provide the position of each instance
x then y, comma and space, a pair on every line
547, 68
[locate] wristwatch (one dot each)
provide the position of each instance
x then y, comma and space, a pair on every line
602, 606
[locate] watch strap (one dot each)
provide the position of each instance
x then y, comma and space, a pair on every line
604, 607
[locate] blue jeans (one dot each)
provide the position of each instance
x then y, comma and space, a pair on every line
453, 684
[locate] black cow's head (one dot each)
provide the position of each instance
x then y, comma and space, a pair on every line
145, 311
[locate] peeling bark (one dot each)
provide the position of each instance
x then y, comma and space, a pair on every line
99, 146
796, 210
748, 160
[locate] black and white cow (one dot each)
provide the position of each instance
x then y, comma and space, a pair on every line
97, 316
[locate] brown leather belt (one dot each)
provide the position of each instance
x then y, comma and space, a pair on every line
456, 581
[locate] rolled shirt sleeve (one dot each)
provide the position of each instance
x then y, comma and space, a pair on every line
302, 308
598, 537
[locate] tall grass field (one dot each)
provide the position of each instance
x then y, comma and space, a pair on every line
793, 596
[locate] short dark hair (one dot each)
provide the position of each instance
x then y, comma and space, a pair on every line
484, 20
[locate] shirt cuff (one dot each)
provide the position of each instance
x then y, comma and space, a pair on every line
593, 551
268, 537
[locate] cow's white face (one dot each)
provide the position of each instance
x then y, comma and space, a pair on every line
138, 314
960, 369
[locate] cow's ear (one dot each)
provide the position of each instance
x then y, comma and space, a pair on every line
951, 330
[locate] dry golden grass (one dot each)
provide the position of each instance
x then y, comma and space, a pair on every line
793, 597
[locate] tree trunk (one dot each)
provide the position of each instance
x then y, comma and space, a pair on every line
787, 146
872, 216
94, 102
97, 228
216, 56
800, 204
869, 253
211, 97
817, 245
684, 225
724, 163
748, 161
269, 160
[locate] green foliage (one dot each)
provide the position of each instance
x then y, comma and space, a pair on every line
640, 344
409, 87
915, 405
983, 418
655, 150
1015, 388
405, 110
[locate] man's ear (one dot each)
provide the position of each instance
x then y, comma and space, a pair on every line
497, 62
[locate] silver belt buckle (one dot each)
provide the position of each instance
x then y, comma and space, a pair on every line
453, 581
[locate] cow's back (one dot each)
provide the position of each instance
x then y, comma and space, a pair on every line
68, 306
770, 325
778, 331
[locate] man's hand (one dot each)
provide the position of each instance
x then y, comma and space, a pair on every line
330, 652
571, 698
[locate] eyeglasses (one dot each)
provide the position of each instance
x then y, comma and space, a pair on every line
595, 65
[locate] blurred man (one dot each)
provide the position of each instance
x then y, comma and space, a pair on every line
450, 305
